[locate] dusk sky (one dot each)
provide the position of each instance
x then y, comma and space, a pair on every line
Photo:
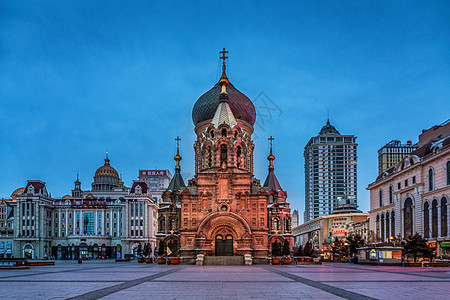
79, 78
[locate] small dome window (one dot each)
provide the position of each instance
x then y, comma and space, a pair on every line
224, 132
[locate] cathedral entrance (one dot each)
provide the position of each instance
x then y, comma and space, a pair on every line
224, 245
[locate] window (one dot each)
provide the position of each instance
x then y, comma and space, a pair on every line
276, 224
444, 216
223, 154
224, 132
430, 180
393, 224
88, 223
141, 206
387, 226
434, 218
399, 186
414, 179
426, 220
381, 198
448, 172
406, 182
377, 224
390, 195
408, 219
382, 227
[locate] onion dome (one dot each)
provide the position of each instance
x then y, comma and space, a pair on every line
328, 129
206, 106
241, 106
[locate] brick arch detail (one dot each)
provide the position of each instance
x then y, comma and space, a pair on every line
213, 222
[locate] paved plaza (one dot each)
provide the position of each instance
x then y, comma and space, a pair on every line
130, 280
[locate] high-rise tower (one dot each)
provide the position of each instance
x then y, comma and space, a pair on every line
330, 171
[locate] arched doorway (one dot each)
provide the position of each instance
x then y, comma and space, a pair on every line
224, 245
28, 251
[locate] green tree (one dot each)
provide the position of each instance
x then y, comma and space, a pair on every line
415, 246
354, 242
308, 249
336, 248
299, 251
162, 249
146, 249
286, 248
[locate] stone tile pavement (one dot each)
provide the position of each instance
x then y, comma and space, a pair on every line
130, 280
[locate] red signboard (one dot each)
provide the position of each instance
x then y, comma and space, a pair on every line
431, 244
396, 254
152, 172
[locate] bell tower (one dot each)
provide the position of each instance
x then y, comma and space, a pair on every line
224, 141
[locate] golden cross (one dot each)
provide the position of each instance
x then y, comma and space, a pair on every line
271, 139
223, 57
178, 140
171, 232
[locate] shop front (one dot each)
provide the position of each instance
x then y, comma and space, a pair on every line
384, 255
445, 247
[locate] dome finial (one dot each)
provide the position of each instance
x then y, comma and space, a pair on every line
177, 157
271, 158
106, 159
224, 79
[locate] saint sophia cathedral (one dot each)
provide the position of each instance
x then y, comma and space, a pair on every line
224, 210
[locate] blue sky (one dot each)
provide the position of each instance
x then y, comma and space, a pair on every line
79, 78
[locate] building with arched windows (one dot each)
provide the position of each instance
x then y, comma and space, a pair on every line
107, 221
413, 196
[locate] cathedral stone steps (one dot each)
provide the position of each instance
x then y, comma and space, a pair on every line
223, 260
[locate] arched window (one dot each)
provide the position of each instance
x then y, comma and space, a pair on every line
391, 196
162, 225
434, 218
235, 134
382, 228
223, 154
377, 224
286, 225
408, 218
448, 172
224, 132
426, 220
211, 134
387, 226
276, 224
381, 198
444, 216
209, 157
393, 223
430, 179
238, 156
173, 224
